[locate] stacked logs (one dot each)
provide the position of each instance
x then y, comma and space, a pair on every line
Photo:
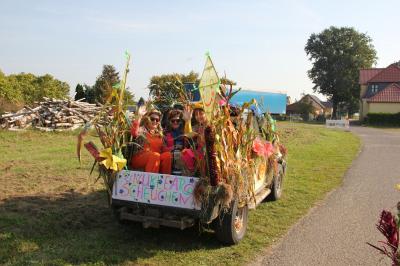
51, 115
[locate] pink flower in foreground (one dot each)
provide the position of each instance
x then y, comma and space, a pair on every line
388, 227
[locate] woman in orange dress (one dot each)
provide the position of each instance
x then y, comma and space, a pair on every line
152, 157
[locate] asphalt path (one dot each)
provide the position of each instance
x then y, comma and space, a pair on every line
336, 231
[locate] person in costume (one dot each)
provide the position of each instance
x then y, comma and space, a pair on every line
198, 123
147, 133
173, 134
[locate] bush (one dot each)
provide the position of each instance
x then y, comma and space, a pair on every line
383, 119
320, 118
279, 117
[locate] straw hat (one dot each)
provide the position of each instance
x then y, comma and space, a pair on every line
197, 105
153, 111
174, 113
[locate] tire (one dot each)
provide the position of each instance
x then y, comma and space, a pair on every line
232, 226
277, 185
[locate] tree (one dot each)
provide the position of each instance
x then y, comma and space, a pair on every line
129, 98
7, 91
168, 89
104, 83
80, 92
25, 88
337, 55
305, 109
227, 81
48, 86
90, 94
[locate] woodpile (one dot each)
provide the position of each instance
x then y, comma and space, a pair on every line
51, 115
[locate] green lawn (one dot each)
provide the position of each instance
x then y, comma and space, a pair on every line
50, 215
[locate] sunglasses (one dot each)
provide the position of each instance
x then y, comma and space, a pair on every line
154, 119
175, 120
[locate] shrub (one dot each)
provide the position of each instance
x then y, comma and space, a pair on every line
384, 119
279, 117
320, 118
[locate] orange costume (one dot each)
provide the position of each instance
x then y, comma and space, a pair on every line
151, 158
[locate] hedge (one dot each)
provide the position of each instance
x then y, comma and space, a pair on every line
383, 119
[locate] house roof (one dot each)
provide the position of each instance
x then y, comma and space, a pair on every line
390, 94
367, 74
316, 99
389, 74
294, 106
327, 104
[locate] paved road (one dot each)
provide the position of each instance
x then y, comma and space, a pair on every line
335, 232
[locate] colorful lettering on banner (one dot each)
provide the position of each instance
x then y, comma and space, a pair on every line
153, 188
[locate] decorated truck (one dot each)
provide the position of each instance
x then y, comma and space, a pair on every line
243, 164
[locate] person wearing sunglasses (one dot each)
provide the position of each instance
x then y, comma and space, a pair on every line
174, 131
148, 134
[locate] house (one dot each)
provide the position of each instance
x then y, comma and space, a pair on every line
318, 107
380, 90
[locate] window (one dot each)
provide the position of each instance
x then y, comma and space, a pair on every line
374, 88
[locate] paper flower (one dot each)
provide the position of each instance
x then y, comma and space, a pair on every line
258, 146
222, 102
111, 161
263, 148
269, 149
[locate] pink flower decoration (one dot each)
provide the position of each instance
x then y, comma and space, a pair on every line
263, 148
269, 149
222, 102
258, 147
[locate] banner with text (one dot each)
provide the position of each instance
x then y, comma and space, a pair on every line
154, 188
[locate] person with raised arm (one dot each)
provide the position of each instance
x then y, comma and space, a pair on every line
147, 132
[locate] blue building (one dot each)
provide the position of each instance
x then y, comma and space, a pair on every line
272, 102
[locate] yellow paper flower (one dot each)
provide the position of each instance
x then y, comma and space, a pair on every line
111, 161
398, 186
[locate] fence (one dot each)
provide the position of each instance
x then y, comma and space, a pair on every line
342, 124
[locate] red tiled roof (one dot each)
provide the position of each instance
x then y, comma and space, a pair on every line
367, 74
389, 74
390, 94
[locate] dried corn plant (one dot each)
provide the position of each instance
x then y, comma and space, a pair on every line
237, 164
112, 126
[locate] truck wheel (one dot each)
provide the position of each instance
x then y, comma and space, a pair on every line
276, 189
231, 228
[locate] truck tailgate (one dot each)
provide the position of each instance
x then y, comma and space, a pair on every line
156, 189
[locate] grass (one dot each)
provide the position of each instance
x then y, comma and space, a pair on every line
50, 216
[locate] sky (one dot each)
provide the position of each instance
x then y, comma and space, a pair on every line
258, 44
